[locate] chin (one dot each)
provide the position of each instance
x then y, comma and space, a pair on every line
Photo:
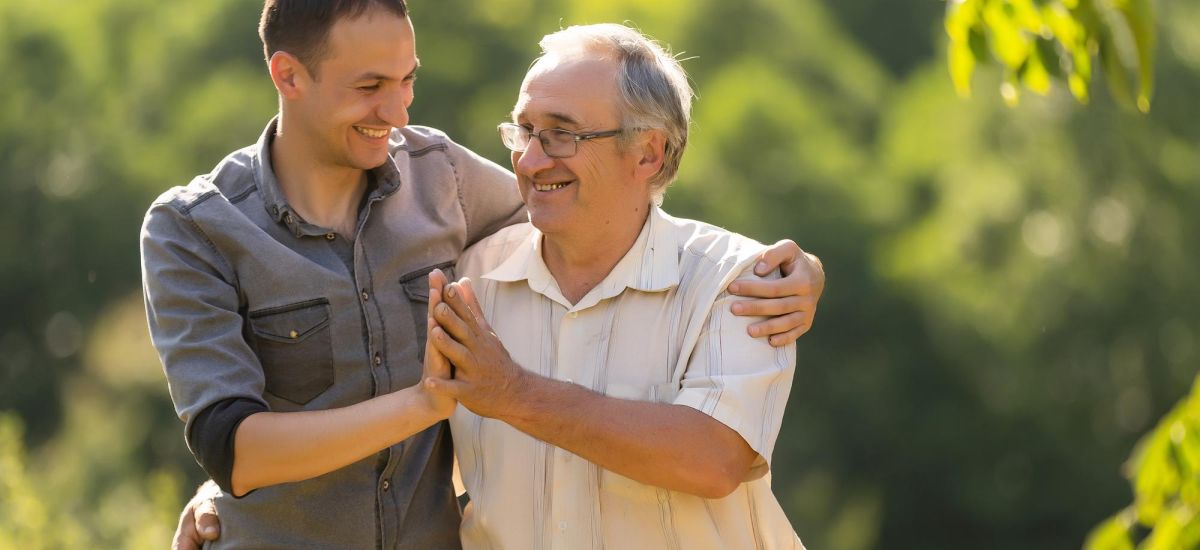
369, 162
549, 222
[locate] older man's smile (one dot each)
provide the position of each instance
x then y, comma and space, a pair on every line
546, 187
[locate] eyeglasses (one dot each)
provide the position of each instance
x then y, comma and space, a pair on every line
556, 142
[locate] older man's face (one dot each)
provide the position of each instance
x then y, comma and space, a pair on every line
595, 188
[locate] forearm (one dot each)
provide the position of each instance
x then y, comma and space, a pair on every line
669, 446
272, 448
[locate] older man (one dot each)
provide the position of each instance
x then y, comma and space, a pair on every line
286, 293
616, 402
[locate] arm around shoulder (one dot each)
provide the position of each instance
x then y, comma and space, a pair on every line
487, 191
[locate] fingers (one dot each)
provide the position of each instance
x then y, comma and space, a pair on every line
207, 522
783, 326
437, 281
456, 297
454, 351
472, 301
198, 523
780, 340
799, 283
436, 364
773, 306
452, 321
782, 253
186, 535
759, 288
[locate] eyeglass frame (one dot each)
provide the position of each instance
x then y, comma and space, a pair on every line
576, 137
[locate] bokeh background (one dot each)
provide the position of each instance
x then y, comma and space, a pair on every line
1012, 291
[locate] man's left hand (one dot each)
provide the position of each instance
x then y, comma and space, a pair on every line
790, 301
486, 379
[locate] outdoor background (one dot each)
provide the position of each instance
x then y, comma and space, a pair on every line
1012, 291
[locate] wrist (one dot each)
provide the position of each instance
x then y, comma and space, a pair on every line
413, 406
521, 403
430, 405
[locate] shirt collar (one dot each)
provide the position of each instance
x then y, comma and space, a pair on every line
650, 265
386, 178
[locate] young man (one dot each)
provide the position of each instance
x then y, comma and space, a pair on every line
286, 293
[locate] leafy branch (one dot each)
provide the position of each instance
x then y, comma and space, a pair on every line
1038, 42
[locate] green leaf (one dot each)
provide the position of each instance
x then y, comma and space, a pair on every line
961, 16
1114, 69
1113, 534
1034, 74
962, 64
1166, 533
1008, 42
1138, 15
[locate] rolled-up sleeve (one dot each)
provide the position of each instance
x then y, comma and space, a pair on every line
192, 305
740, 381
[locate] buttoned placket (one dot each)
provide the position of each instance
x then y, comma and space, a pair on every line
569, 482
373, 326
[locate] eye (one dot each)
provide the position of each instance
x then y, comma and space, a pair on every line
369, 87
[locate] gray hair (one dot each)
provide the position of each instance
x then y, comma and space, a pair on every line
653, 87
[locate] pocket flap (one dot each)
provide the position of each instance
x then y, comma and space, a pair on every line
417, 289
290, 323
416, 284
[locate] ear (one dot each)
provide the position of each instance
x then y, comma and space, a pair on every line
651, 149
289, 74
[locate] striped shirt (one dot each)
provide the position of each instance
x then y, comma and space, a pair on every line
657, 328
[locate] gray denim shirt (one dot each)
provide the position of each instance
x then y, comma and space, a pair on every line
247, 300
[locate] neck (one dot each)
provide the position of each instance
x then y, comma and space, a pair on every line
579, 260
323, 194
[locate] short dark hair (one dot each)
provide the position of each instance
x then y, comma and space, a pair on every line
301, 27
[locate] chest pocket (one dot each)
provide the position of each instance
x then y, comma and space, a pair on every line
295, 348
416, 289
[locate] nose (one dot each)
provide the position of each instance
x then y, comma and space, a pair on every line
394, 108
533, 159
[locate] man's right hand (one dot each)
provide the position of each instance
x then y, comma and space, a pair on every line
199, 522
436, 364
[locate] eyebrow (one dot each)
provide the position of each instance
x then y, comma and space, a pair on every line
559, 117
372, 75
563, 117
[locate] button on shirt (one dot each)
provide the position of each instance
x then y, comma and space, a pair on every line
657, 328
248, 301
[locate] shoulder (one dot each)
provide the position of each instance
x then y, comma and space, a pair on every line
707, 244
229, 182
494, 249
214, 197
415, 141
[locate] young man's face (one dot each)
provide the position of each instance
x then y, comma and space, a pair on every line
362, 89
597, 185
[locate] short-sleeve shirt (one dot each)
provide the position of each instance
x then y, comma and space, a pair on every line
657, 328
247, 300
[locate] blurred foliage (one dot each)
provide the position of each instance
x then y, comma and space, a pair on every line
1165, 471
1038, 41
1011, 294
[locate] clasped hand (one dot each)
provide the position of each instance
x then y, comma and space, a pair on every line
483, 377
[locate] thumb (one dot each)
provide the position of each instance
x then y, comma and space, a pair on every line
442, 386
207, 522
781, 255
